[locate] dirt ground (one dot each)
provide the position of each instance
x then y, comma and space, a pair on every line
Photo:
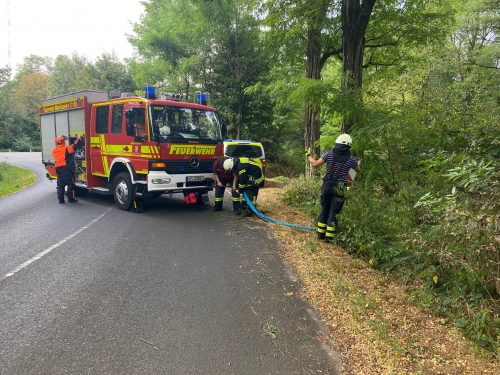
371, 319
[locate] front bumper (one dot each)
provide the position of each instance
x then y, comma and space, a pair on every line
160, 181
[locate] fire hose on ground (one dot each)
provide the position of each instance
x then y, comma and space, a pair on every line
261, 215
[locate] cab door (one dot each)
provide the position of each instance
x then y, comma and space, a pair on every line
98, 131
114, 139
107, 138
136, 139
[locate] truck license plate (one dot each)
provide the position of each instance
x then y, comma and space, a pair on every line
195, 178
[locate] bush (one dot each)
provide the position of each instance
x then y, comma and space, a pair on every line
22, 144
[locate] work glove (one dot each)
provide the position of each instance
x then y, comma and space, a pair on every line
308, 152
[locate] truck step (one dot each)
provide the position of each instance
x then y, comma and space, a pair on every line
101, 190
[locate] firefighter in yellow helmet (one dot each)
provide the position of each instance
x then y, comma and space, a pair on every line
248, 178
338, 163
64, 157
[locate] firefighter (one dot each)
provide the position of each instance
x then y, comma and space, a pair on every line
64, 156
140, 123
338, 163
248, 178
222, 179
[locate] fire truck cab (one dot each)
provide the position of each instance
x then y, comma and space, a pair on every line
135, 147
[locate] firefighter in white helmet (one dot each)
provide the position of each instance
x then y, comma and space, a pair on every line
224, 176
249, 175
338, 163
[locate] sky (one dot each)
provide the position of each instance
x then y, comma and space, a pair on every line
61, 27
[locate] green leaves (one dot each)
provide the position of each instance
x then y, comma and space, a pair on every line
471, 174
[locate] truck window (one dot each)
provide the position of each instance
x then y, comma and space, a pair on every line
102, 115
116, 125
140, 122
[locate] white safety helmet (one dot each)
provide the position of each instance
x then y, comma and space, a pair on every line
228, 164
344, 139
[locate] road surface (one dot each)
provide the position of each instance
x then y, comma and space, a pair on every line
87, 289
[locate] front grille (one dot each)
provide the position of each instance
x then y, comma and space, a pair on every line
183, 166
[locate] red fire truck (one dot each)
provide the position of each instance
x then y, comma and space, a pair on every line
135, 147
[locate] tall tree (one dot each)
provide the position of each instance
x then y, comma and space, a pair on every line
5, 74
344, 31
108, 73
213, 46
65, 74
355, 18
28, 94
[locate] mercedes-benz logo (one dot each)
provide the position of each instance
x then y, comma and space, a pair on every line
194, 162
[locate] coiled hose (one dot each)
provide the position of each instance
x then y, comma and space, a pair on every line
270, 220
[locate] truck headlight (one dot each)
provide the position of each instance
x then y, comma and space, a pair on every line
161, 181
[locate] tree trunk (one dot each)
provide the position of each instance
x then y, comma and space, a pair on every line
240, 114
312, 123
355, 17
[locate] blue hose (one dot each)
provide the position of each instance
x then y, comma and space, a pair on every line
270, 220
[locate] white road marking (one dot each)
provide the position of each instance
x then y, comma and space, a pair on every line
48, 250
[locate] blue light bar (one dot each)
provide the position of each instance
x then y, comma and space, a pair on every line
149, 92
201, 98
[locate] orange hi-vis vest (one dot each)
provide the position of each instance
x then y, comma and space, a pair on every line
59, 153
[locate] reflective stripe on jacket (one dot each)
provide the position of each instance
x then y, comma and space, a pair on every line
249, 170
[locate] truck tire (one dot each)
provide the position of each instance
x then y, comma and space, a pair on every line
122, 191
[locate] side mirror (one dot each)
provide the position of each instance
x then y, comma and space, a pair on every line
130, 126
141, 138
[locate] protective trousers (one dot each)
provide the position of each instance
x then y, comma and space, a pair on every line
219, 196
65, 177
252, 192
332, 201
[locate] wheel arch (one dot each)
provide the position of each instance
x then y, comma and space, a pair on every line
120, 165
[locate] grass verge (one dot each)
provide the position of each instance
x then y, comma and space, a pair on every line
372, 319
14, 178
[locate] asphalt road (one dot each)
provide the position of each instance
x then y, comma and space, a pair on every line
88, 289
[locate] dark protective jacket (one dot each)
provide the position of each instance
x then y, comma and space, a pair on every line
249, 172
221, 172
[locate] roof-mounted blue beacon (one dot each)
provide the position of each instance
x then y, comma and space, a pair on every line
201, 98
149, 92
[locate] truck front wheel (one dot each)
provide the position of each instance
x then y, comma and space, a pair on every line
122, 191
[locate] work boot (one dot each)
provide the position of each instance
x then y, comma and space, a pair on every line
237, 211
247, 213
321, 236
329, 239
216, 209
61, 201
72, 200
330, 233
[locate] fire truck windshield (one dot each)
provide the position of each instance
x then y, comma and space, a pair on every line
184, 124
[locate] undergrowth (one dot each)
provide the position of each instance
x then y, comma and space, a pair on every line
445, 242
